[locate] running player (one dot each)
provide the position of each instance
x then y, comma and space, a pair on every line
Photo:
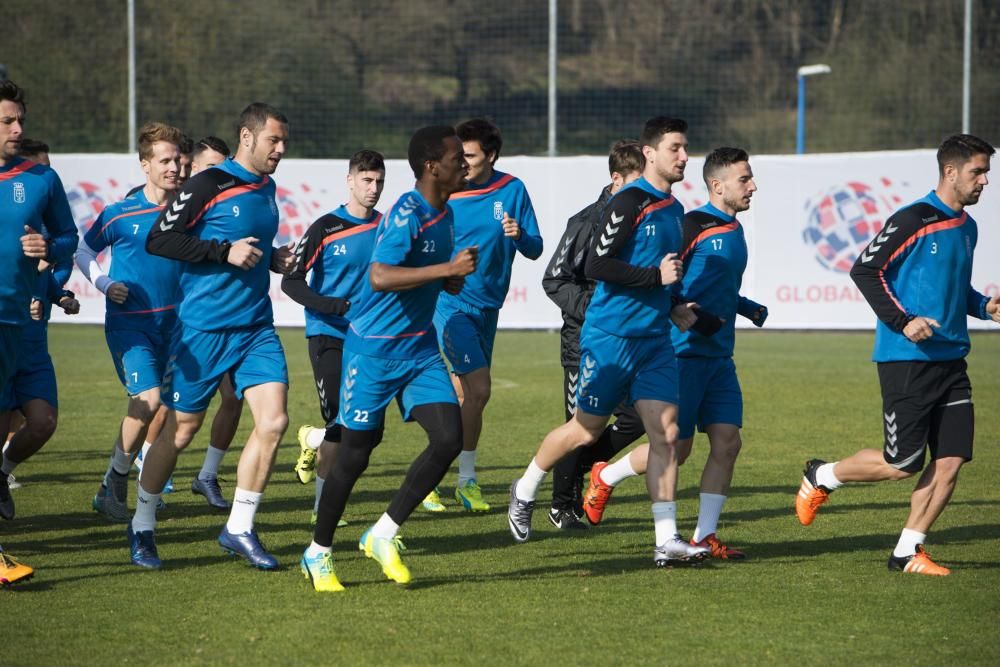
226, 325
335, 250
38, 226
208, 152
391, 352
141, 303
626, 353
566, 283
714, 256
493, 213
915, 275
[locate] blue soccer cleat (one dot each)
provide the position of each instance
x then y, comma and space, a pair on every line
249, 547
142, 548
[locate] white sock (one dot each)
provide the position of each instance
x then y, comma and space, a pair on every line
8, 466
908, 541
385, 527
616, 472
527, 486
210, 466
315, 437
665, 520
245, 504
121, 462
319, 492
825, 476
315, 550
466, 467
145, 510
709, 509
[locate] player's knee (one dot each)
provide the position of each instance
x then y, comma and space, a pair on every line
683, 450
947, 468
353, 454
478, 393
727, 450
41, 426
144, 407
271, 427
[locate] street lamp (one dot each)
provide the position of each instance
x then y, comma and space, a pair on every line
804, 71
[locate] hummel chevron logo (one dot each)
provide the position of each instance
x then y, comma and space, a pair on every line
604, 242
349, 382
890, 433
183, 197
876, 244
573, 376
587, 374
589, 363
348, 395
400, 221
561, 257
353, 371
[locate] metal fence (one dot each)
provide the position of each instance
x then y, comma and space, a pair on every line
353, 74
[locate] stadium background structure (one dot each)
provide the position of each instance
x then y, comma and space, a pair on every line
350, 74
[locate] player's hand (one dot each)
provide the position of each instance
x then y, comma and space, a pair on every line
283, 259
920, 328
993, 308
454, 284
759, 316
33, 244
243, 254
69, 305
337, 306
510, 227
117, 292
35, 309
671, 269
683, 316
464, 262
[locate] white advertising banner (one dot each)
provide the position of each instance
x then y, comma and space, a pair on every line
810, 218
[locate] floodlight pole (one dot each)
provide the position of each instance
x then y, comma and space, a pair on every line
967, 68
131, 77
800, 133
553, 62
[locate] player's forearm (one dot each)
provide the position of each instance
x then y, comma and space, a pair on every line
529, 245
975, 304
298, 290
62, 246
390, 278
178, 245
872, 285
617, 272
86, 261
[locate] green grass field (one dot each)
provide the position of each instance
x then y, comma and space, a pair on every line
816, 595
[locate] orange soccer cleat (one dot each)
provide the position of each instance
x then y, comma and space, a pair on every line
718, 549
811, 494
598, 494
918, 563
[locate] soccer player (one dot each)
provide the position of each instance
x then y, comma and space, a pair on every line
916, 276
37, 226
566, 283
391, 352
141, 303
221, 224
493, 213
625, 347
334, 254
714, 256
208, 152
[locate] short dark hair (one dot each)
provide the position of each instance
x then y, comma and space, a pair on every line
33, 147
960, 148
427, 145
626, 157
150, 133
655, 128
366, 160
211, 143
255, 116
483, 130
186, 147
13, 92
721, 158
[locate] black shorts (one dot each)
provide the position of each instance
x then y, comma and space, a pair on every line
326, 353
925, 404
